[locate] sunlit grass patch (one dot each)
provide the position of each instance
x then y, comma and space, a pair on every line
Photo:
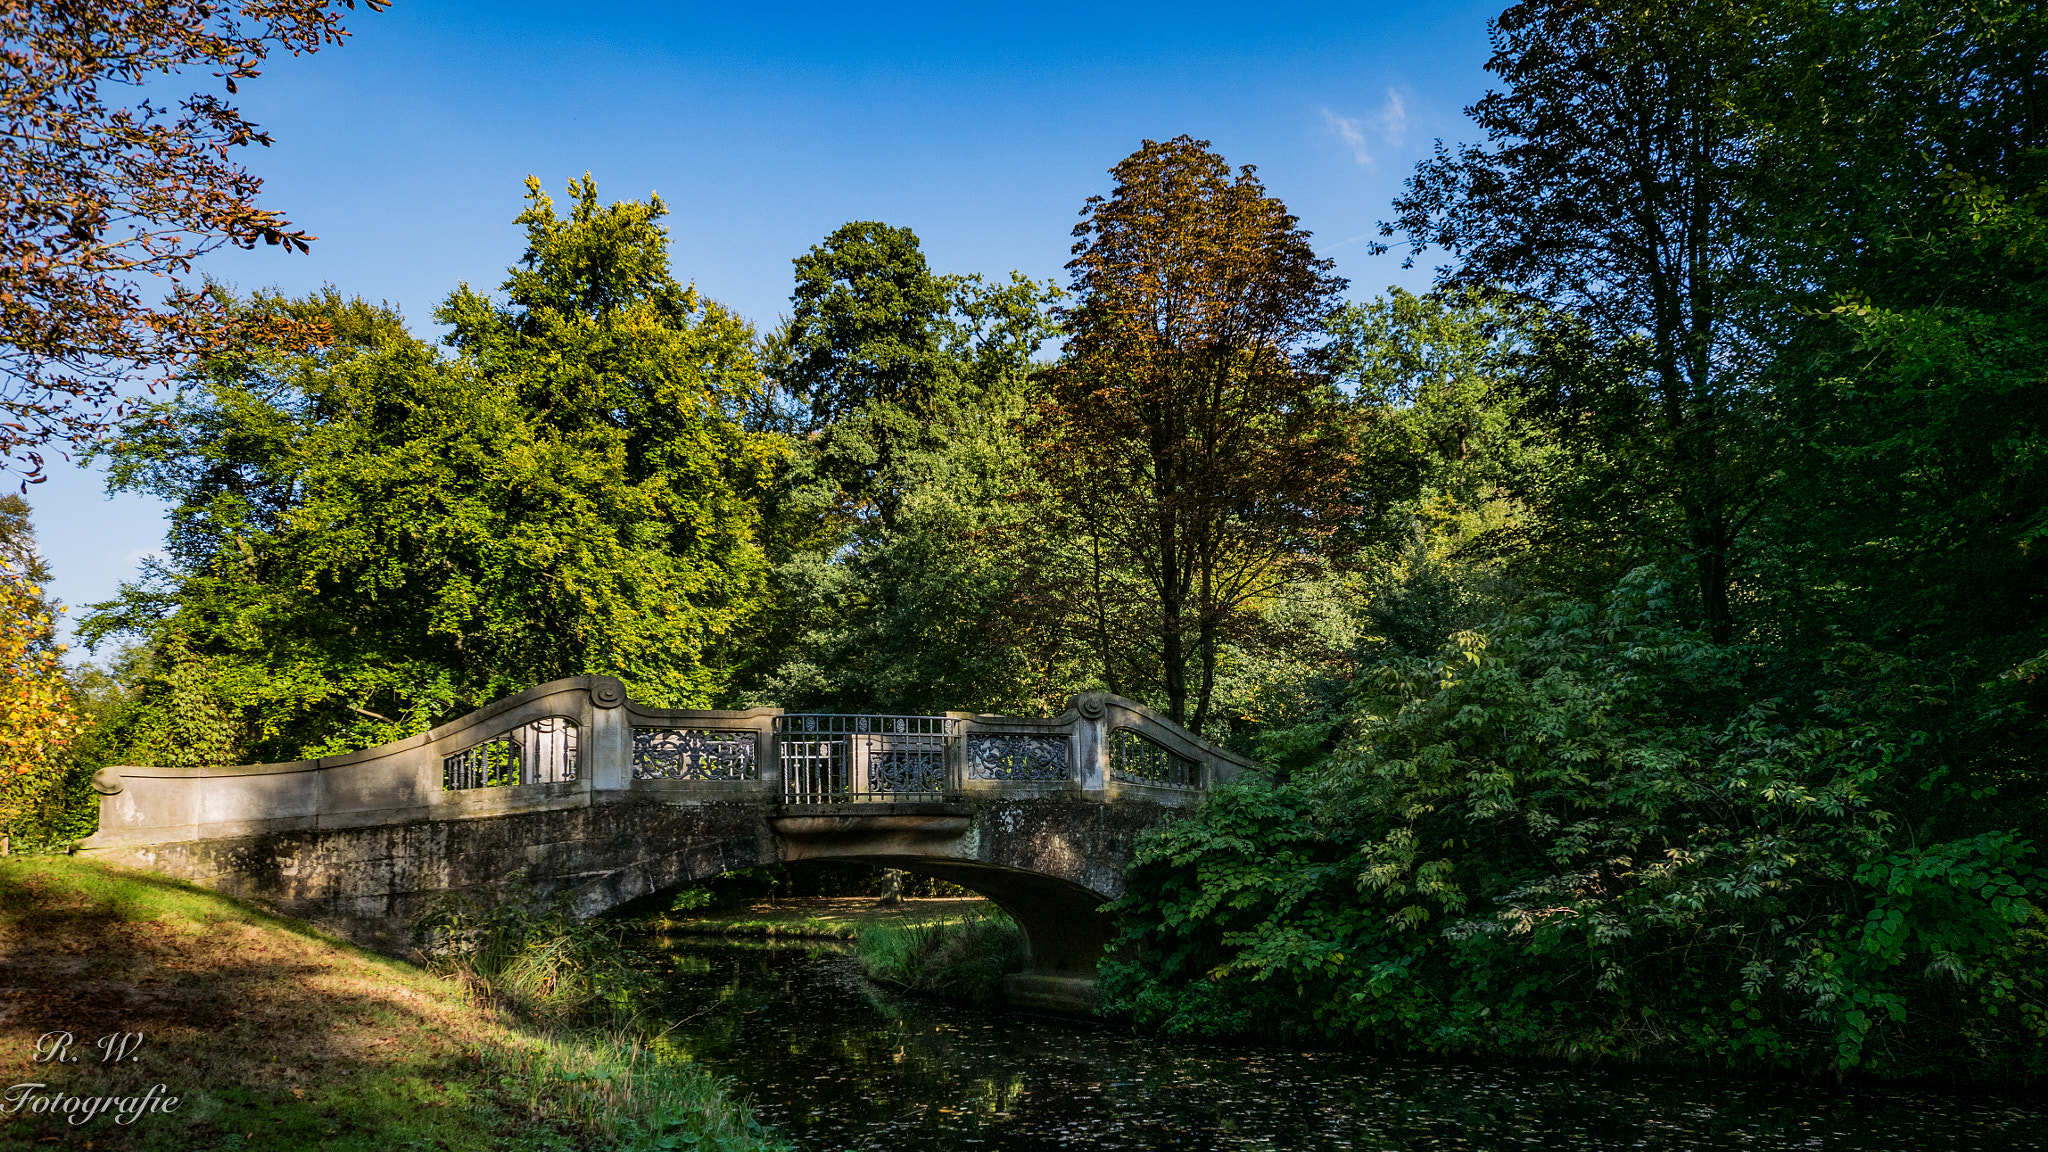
960, 960
273, 1035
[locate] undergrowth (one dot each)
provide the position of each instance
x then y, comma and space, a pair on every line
600, 1062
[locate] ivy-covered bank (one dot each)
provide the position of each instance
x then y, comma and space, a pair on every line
1559, 837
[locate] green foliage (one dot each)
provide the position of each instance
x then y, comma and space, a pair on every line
368, 537
691, 899
1611, 189
539, 958
958, 960
1546, 840
900, 514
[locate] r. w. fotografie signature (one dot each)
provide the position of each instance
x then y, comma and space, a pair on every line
34, 1098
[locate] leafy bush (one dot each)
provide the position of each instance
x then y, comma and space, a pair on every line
959, 960
1553, 839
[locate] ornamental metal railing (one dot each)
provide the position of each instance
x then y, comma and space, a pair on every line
540, 752
679, 753
1135, 759
865, 759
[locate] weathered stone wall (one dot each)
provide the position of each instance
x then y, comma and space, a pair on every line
369, 883
1051, 862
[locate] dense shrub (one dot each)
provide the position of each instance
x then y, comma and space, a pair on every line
1565, 835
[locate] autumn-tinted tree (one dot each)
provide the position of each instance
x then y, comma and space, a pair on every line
1187, 428
1611, 186
38, 723
98, 195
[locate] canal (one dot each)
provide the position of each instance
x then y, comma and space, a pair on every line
836, 1063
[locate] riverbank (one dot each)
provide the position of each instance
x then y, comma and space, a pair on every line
270, 1034
822, 917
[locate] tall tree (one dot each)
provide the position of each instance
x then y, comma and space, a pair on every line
896, 523
101, 194
1188, 427
371, 536
1612, 186
881, 355
1907, 164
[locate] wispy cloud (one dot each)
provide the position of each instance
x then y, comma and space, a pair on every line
1393, 118
1389, 125
1351, 132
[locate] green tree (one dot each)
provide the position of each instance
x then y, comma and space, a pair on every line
370, 536
1612, 187
864, 356
901, 536
1906, 158
1918, 216
1188, 429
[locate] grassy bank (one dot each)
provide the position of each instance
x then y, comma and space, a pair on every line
821, 917
272, 1035
964, 959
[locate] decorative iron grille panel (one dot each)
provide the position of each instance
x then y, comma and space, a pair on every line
540, 752
842, 759
907, 770
992, 756
1135, 759
695, 754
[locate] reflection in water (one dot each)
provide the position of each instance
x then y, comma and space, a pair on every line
836, 1063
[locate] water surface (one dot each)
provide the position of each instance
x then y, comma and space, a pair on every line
837, 1063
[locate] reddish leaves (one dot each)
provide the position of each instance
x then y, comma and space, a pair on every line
98, 199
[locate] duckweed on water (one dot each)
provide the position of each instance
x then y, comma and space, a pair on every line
835, 1062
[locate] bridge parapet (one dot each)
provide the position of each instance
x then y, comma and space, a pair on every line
580, 741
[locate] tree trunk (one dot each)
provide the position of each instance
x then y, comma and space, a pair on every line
1172, 644
1711, 541
1206, 642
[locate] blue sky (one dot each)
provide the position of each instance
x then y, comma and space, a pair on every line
765, 126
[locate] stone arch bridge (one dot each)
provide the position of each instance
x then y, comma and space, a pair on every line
570, 787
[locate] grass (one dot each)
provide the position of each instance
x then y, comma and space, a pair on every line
820, 917
960, 959
273, 1035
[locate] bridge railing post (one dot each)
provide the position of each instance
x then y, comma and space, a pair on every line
1091, 760
771, 756
610, 746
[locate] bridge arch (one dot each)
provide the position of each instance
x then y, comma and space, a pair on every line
571, 787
